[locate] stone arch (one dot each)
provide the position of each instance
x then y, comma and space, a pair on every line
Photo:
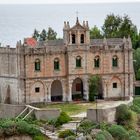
73, 38
56, 90
37, 92
77, 89
115, 87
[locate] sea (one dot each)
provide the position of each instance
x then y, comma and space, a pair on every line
19, 21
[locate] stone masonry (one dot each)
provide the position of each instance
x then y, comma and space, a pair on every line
58, 70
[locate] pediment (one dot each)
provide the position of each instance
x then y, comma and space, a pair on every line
77, 27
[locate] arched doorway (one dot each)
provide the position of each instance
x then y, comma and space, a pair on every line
77, 89
56, 91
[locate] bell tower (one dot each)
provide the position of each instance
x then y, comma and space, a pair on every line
76, 35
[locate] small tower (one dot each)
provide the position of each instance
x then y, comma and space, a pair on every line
76, 35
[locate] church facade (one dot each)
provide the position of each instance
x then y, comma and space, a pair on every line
59, 70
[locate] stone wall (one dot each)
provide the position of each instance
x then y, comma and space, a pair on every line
10, 111
107, 115
44, 114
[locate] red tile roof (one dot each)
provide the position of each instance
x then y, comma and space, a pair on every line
30, 42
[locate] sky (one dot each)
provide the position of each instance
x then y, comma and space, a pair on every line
62, 1
19, 21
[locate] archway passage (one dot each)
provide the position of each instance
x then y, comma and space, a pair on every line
77, 90
56, 91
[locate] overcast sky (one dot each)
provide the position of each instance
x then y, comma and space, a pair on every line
62, 1
19, 21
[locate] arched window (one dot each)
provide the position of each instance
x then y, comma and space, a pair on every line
97, 62
56, 64
82, 38
73, 39
37, 65
78, 61
115, 61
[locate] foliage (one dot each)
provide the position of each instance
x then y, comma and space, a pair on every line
62, 119
66, 133
95, 33
133, 135
118, 132
138, 74
126, 117
104, 135
35, 34
136, 105
94, 86
86, 126
117, 26
111, 26
51, 34
104, 126
11, 127
43, 35
136, 57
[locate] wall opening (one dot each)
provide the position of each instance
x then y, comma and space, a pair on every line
56, 91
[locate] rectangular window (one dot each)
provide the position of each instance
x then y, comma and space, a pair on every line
37, 89
96, 63
114, 62
114, 85
37, 66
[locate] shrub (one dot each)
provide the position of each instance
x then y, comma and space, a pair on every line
104, 126
66, 133
100, 136
133, 135
25, 128
86, 126
126, 117
118, 132
63, 118
104, 135
136, 105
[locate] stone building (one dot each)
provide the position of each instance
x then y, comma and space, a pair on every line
58, 70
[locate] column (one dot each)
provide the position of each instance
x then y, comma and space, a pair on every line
64, 91
69, 97
86, 90
49, 93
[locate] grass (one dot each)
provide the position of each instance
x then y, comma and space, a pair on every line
71, 108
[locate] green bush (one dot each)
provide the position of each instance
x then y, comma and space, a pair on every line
126, 117
133, 135
104, 126
136, 105
104, 135
25, 128
86, 126
66, 133
100, 136
9, 127
63, 118
118, 132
